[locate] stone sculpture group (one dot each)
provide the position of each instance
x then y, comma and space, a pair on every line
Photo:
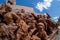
21, 25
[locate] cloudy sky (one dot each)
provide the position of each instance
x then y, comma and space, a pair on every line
42, 6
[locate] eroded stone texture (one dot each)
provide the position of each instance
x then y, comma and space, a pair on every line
24, 25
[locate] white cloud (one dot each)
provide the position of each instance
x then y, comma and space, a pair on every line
47, 0
43, 5
55, 18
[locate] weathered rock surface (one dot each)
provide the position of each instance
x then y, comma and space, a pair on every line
24, 26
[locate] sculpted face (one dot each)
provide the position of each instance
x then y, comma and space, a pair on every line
41, 26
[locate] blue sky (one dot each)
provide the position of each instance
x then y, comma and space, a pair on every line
42, 6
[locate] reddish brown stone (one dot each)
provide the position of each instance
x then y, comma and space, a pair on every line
23, 25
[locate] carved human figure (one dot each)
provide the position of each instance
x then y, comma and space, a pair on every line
42, 33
